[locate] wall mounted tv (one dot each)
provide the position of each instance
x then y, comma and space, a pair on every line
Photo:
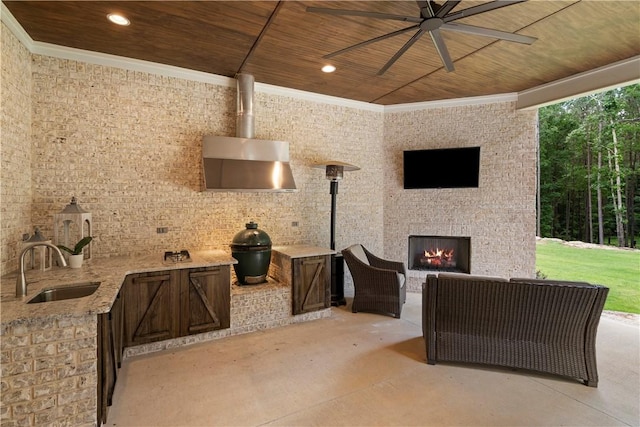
442, 168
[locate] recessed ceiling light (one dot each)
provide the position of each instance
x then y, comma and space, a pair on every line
118, 19
328, 69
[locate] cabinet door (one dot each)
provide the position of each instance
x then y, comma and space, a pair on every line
117, 328
205, 300
152, 309
106, 375
311, 284
110, 342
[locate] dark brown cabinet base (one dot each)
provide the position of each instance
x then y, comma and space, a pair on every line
176, 303
158, 306
311, 284
152, 308
110, 347
205, 300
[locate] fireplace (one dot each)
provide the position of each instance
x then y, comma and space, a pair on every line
440, 253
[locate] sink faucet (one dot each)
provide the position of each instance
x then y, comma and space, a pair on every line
21, 282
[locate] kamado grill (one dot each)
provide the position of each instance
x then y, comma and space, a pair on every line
252, 248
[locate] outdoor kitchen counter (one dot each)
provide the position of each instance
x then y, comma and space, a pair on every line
302, 251
110, 272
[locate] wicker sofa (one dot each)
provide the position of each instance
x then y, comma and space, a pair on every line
540, 325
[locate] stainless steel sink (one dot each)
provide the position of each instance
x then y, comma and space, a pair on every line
77, 290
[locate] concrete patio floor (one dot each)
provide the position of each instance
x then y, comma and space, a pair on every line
368, 370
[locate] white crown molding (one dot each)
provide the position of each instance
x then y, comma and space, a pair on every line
448, 103
108, 60
14, 26
316, 97
617, 74
115, 61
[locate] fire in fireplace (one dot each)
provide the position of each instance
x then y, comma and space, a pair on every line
440, 253
439, 257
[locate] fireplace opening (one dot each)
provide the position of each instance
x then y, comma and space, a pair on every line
440, 253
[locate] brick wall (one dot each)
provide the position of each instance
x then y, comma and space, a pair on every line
49, 372
15, 147
499, 216
128, 145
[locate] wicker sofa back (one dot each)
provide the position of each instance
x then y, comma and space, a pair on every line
541, 325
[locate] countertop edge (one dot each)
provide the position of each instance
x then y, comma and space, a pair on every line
302, 251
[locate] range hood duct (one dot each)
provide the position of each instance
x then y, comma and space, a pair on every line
243, 163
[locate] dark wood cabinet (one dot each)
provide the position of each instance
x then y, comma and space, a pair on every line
311, 284
152, 307
157, 306
117, 328
205, 297
110, 347
171, 304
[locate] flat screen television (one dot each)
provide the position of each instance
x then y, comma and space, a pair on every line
442, 168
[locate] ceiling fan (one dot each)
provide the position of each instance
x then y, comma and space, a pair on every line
432, 19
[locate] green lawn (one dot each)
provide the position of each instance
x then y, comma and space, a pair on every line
619, 270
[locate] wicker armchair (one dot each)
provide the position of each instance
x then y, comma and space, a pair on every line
379, 284
541, 325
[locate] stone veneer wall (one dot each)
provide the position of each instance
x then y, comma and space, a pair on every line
499, 216
15, 147
128, 145
49, 372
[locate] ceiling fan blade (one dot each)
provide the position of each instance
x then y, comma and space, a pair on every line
365, 13
422, 3
488, 32
438, 42
446, 8
426, 9
373, 40
486, 7
400, 52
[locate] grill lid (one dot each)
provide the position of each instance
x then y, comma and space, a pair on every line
250, 237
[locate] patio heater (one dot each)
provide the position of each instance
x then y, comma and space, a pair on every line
334, 172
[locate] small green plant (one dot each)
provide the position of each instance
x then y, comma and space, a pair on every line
77, 249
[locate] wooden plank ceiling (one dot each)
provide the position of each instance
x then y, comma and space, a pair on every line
283, 44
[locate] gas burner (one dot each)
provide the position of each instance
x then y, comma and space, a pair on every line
177, 256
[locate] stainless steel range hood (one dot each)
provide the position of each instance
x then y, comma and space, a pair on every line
243, 163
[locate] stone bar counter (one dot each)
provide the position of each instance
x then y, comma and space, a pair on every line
49, 351
110, 272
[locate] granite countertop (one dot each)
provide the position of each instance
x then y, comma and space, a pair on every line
302, 251
110, 272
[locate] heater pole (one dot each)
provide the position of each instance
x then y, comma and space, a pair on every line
333, 172
334, 192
